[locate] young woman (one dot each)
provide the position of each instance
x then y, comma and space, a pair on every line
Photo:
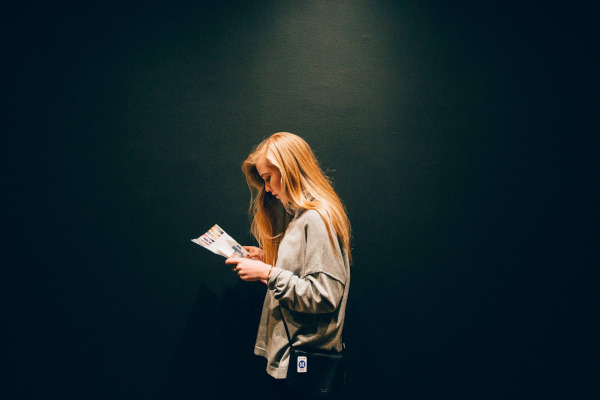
304, 256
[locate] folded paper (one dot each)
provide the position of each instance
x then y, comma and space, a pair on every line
219, 242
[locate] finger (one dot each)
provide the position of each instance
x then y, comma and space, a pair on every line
233, 260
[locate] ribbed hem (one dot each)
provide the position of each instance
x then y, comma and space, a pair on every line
259, 351
277, 373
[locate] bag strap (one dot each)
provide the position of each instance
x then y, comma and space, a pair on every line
287, 332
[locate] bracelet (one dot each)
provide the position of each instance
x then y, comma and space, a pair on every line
269, 274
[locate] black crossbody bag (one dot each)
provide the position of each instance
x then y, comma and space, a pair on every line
314, 373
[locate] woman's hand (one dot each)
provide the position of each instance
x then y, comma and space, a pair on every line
250, 270
255, 253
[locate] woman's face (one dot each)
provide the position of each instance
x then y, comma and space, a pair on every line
272, 178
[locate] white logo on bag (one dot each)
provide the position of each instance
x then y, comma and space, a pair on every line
302, 364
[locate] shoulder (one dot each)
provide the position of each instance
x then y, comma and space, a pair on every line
312, 224
311, 217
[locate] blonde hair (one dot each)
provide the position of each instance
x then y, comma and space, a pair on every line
306, 188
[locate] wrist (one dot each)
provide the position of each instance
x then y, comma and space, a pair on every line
270, 272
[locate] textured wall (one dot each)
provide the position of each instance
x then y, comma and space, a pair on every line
438, 125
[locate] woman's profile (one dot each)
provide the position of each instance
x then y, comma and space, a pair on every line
303, 234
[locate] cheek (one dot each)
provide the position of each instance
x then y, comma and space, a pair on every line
276, 182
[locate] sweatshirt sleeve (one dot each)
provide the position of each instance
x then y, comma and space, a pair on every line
318, 286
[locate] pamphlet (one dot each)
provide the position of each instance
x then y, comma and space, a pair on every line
219, 242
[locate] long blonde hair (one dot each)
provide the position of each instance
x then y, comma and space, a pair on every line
306, 188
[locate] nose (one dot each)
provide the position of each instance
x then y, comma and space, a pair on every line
267, 187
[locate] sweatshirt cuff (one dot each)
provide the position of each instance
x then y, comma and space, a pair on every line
273, 279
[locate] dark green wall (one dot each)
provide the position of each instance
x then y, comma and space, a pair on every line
442, 126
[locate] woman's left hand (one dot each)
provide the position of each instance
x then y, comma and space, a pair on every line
255, 253
249, 270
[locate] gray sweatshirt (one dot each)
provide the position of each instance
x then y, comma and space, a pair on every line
309, 285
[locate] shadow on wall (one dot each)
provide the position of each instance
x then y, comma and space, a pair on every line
214, 358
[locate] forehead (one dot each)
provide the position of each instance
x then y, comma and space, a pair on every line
262, 166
